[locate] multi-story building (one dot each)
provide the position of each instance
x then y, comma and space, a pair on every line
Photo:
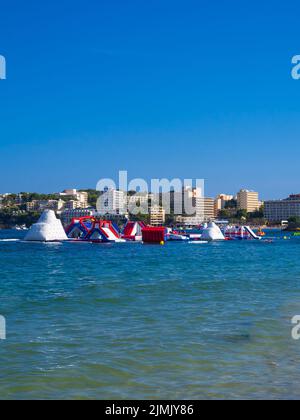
83, 199
41, 205
157, 216
221, 201
280, 210
72, 205
247, 200
80, 196
112, 202
138, 202
209, 209
68, 215
205, 212
187, 203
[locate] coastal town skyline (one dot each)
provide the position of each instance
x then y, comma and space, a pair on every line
188, 206
207, 191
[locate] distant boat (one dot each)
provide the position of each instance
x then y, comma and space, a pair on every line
20, 227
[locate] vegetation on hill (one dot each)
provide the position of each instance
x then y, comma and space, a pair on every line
27, 197
237, 216
10, 218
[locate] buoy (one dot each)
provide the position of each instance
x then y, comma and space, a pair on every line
162, 243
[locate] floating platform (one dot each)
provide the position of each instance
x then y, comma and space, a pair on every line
92, 229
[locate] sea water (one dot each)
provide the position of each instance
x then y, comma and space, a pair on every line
158, 322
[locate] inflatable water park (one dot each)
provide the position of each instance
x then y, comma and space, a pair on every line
93, 229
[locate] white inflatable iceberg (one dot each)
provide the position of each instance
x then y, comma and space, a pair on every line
47, 229
212, 233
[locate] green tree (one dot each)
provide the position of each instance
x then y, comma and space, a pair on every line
242, 214
140, 218
294, 220
225, 214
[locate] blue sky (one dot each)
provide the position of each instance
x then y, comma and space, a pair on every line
160, 88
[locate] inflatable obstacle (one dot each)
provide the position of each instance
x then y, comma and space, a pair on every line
236, 232
154, 235
212, 233
92, 229
47, 229
240, 232
133, 231
174, 235
251, 233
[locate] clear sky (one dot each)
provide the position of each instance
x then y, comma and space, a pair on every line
162, 88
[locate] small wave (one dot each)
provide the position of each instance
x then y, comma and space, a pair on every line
9, 240
41, 243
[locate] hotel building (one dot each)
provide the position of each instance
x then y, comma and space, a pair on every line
80, 196
205, 212
209, 209
248, 200
112, 202
157, 216
280, 210
188, 205
140, 202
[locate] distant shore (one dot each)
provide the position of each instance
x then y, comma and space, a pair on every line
3, 227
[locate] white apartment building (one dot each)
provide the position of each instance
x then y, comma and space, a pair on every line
80, 196
112, 202
138, 200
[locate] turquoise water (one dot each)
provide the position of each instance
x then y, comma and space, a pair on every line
131, 321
